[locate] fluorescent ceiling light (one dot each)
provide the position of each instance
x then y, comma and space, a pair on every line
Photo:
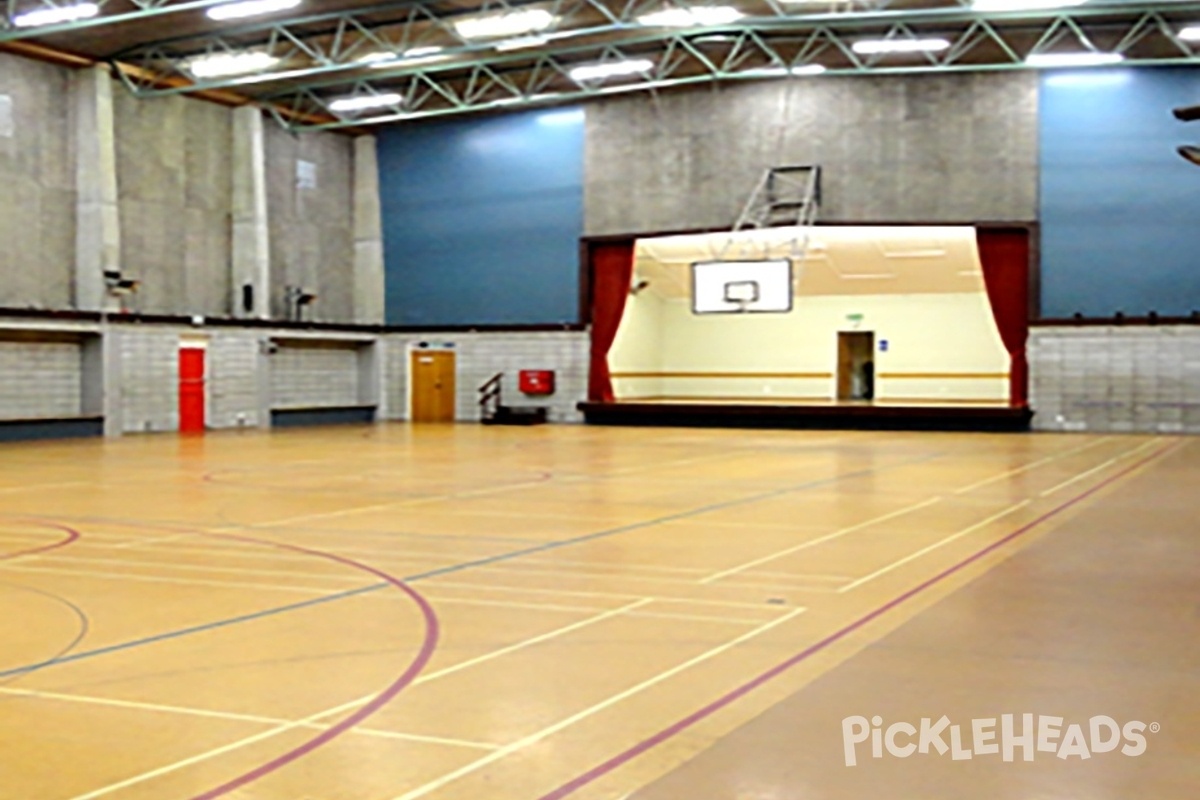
773, 72
1023, 5
221, 64
54, 16
498, 26
1083, 59
691, 17
363, 102
521, 43
612, 69
1190, 34
385, 58
249, 8
876, 46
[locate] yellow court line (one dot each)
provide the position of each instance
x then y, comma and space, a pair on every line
534, 738
226, 715
1034, 465
902, 561
37, 487
312, 718
1096, 469
716, 576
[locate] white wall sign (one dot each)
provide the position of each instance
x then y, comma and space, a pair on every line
306, 175
6, 116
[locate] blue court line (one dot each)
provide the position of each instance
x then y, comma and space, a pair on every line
465, 565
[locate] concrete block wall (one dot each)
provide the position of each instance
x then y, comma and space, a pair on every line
309, 377
1116, 379
479, 356
148, 377
311, 225
235, 360
174, 178
930, 148
37, 176
41, 379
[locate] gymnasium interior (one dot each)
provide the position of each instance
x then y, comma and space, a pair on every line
648, 400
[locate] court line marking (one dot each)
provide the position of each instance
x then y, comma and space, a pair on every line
422, 657
1034, 465
37, 487
627, 755
533, 738
508, 569
930, 548
138, 705
1096, 469
347, 706
129, 576
467, 565
984, 523
71, 537
805, 545
502, 587
590, 609
716, 576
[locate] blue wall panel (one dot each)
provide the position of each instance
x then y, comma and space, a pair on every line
1120, 210
482, 219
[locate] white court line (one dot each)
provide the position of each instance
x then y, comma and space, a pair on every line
1034, 465
226, 715
307, 721
126, 576
276, 573
716, 576
591, 610
1094, 470
284, 573
499, 587
534, 738
901, 562
800, 576
37, 487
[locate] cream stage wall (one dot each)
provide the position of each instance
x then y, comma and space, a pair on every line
919, 289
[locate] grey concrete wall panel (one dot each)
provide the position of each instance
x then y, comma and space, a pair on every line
312, 226
1116, 379
37, 173
946, 148
174, 175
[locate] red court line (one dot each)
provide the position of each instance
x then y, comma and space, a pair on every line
600, 770
71, 536
428, 645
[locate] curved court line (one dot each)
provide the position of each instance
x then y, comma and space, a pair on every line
84, 625
480, 562
424, 653
624, 757
71, 536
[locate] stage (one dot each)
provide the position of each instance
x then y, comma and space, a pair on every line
822, 414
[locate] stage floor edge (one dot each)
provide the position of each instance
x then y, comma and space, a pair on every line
850, 416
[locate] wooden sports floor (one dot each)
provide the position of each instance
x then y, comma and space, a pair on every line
484, 613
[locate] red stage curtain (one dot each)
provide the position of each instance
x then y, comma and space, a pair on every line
1004, 253
612, 274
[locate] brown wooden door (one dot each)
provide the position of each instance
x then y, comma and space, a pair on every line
855, 349
432, 385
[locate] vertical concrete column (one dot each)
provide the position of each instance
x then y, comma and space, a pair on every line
368, 235
250, 265
97, 227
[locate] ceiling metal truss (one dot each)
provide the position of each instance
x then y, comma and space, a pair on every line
319, 59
